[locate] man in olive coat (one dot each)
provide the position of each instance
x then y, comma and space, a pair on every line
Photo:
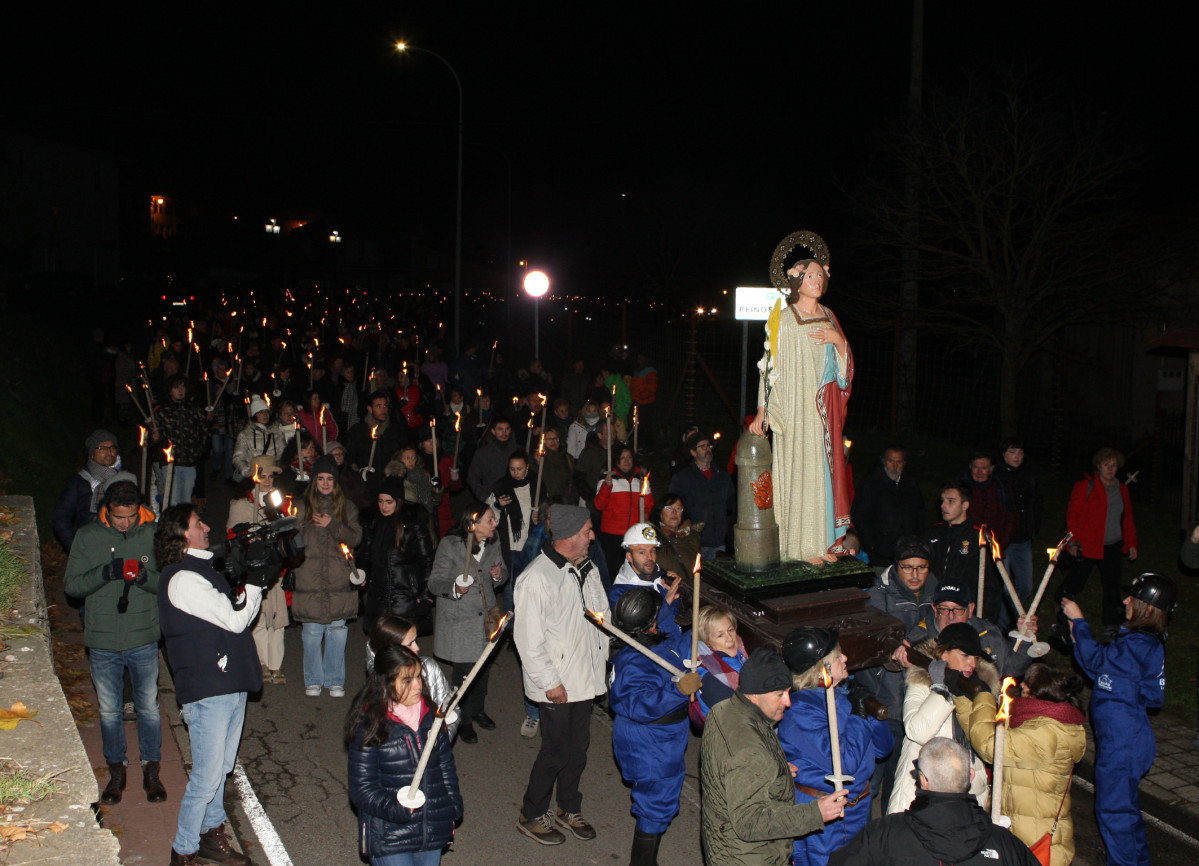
749, 813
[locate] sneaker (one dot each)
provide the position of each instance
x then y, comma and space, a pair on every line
337, 692
575, 823
278, 678
529, 728
312, 691
539, 829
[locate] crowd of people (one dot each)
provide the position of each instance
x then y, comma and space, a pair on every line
419, 511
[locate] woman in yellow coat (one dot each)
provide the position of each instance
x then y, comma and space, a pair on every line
1046, 737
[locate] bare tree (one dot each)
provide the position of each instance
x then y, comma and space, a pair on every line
1020, 222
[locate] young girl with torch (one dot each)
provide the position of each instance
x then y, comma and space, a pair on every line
830, 749
386, 730
1046, 736
1130, 678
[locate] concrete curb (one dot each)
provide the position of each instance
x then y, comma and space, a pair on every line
54, 745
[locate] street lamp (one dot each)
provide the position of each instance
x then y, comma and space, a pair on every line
402, 47
536, 285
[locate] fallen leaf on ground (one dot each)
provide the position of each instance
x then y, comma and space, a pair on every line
57, 827
10, 717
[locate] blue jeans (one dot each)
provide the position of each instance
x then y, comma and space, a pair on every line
108, 676
214, 725
183, 482
326, 669
222, 455
409, 858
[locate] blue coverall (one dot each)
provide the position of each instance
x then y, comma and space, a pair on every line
666, 613
1130, 677
651, 757
804, 735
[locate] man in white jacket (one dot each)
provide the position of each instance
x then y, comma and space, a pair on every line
563, 656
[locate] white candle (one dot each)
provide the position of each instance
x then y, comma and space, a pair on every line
834, 733
433, 431
608, 430
695, 570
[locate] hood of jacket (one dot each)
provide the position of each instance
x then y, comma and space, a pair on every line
144, 515
951, 827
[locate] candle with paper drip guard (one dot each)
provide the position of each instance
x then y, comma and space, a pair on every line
1054, 553
684, 680
1037, 649
834, 733
1001, 723
410, 796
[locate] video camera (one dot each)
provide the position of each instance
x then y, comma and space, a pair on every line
254, 554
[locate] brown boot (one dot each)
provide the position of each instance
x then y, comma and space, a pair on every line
116, 784
151, 784
214, 846
178, 859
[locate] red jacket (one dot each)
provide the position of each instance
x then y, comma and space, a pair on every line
618, 502
1086, 516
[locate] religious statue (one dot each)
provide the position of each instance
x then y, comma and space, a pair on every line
806, 377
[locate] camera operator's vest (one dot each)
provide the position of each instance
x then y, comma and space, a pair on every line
206, 659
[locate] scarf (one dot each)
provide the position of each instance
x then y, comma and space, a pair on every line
716, 664
409, 716
99, 475
1065, 712
507, 486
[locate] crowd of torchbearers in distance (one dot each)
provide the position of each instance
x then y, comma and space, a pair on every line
378, 474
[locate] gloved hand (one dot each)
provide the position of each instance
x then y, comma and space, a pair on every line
956, 683
115, 570
936, 671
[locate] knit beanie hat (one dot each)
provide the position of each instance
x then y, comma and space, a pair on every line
567, 520
325, 464
97, 438
257, 404
764, 671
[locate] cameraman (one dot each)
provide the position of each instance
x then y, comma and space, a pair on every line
112, 566
212, 655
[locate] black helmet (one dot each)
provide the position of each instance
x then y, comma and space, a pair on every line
804, 646
1155, 589
637, 610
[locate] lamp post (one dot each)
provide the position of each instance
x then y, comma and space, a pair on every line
402, 47
536, 285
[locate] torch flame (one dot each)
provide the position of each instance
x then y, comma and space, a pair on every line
645, 484
530, 424
457, 421
1054, 552
1005, 707
699, 560
499, 627
167, 451
141, 436
345, 551
996, 553
716, 436
322, 415
478, 392
596, 615
375, 432
825, 679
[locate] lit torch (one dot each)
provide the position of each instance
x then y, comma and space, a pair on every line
641, 499
370, 463
1001, 723
410, 796
143, 441
695, 570
1054, 554
982, 569
529, 436
170, 479
683, 680
834, 734
457, 437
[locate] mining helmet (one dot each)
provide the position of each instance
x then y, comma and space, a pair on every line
1155, 589
805, 646
637, 610
640, 533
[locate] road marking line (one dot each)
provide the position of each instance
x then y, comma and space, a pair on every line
1168, 829
268, 838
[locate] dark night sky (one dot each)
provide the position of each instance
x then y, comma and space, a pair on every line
615, 124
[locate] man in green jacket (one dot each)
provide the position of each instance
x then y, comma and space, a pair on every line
112, 566
749, 813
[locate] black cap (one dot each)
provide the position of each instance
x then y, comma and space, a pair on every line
805, 646
959, 595
961, 636
763, 672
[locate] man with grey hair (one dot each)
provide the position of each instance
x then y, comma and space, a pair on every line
944, 822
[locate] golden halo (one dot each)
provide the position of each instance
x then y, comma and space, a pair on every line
810, 241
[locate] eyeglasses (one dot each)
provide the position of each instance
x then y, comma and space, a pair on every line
949, 611
909, 569
105, 448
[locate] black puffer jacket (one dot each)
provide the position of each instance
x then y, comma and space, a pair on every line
399, 576
375, 774
945, 828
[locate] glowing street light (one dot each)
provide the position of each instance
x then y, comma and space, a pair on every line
536, 285
401, 47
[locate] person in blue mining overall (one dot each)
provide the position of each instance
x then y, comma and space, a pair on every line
640, 568
649, 735
812, 654
1129, 677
